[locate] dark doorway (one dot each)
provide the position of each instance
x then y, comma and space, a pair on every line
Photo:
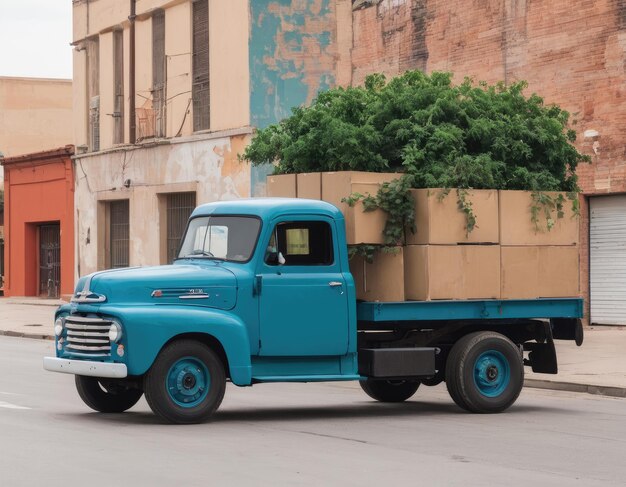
49, 260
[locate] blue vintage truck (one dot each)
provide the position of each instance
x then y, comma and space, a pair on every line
262, 292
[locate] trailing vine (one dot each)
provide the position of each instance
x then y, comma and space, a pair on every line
368, 251
395, 199
465, 206
543, 203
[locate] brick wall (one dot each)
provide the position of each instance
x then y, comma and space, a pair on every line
571, 52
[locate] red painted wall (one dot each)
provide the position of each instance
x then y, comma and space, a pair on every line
39, 188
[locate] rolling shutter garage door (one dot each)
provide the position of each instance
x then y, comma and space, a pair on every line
607, 253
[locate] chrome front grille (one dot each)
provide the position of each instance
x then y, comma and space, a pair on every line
88, 336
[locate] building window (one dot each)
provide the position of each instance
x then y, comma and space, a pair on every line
158, 72
200, 89
178, 209
93, 92
118, 86
118, 234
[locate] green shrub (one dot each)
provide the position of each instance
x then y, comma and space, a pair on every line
442, 135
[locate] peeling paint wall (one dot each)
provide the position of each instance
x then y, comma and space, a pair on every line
293, 55
208, 167
204, 162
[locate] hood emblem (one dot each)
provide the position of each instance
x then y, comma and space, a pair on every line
181, 293
194, 294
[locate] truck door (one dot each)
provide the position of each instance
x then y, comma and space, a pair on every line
303, 298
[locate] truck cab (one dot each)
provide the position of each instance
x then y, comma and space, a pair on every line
261, 291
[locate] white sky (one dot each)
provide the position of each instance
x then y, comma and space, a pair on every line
35, 37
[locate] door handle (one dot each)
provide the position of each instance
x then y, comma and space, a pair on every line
334, 283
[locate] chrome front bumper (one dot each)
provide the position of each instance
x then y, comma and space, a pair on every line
85, 367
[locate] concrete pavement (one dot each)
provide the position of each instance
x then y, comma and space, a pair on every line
598, 367
328, 434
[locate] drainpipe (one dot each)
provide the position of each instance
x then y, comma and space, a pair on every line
131, 74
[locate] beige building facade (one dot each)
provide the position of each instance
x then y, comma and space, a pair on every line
35, 115
158, 134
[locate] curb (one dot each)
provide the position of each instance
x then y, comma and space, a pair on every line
34, 303
574, 387
18, 334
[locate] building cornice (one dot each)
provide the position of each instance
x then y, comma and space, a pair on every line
42, 157
149, 143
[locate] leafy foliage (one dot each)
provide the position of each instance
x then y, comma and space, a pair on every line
368, 251
442, 135
466, 136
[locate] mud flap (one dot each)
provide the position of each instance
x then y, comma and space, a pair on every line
568, 329
542, 356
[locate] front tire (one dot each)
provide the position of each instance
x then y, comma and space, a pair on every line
186, 383
106, 396
389, 390
484, 372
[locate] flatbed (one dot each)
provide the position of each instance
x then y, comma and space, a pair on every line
480, 309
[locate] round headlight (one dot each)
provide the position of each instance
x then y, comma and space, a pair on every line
58, 327
115, 332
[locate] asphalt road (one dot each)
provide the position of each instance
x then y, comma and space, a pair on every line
301, 434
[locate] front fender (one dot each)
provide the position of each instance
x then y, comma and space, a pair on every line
147, 329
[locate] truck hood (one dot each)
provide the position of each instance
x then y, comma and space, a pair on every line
202, 284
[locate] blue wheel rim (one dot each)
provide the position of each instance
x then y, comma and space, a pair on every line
188, 382
492, 373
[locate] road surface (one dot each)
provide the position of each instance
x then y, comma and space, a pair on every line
301, 434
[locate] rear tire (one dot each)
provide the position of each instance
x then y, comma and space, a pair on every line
106, 396
186, 383
389, 390
484, 372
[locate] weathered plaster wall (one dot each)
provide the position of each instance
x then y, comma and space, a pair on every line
229, 73
79, 98
228, 55
178, 59
106, 96
143, 79
293, 55
208, 167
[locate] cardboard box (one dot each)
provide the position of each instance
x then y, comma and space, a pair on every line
361, 227
309, 185
381, 280
282, 186
540, 272
439, 220
517, 228
451, 272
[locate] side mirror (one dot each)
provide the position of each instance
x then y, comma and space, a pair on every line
275, 258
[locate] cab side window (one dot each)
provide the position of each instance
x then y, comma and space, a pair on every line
301, 243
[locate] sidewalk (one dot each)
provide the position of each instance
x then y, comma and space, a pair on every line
598, 367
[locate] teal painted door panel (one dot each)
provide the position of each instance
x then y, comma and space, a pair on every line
304, 308
302, 314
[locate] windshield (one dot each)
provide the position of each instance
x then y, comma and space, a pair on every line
229, 238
